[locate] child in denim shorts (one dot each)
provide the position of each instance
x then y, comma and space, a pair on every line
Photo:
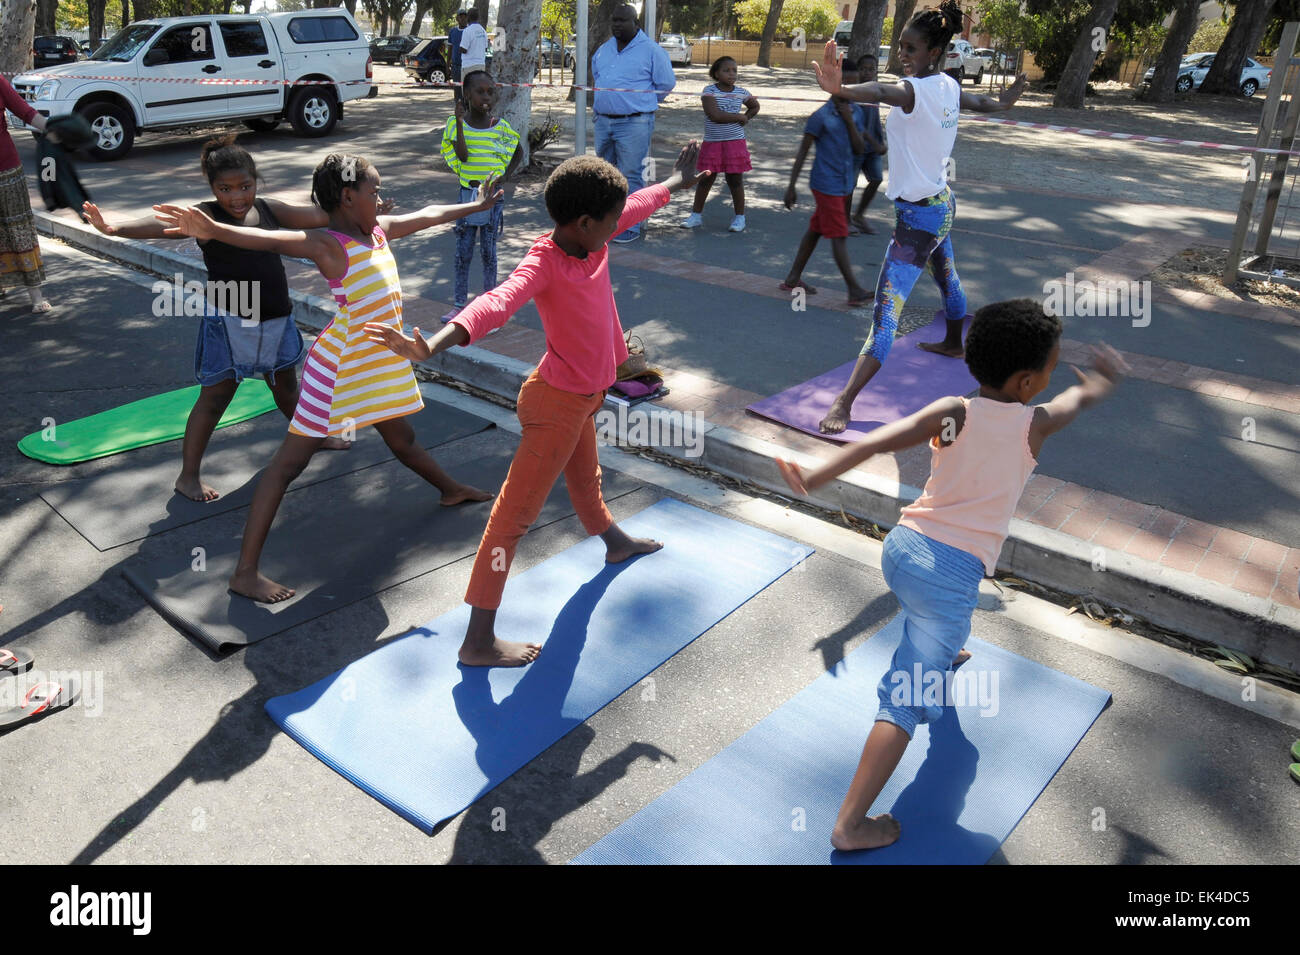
983, 450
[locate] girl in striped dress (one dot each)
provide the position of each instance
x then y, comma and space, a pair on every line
347, 382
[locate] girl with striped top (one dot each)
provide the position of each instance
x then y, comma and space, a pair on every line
347, 382
727, 108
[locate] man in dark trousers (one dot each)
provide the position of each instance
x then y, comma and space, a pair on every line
453, 43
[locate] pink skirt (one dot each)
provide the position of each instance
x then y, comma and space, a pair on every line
731, 155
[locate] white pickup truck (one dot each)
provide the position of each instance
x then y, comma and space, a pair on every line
159, 74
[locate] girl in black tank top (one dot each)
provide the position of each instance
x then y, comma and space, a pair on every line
246, 325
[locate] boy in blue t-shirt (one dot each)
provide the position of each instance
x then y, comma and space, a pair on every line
834, 128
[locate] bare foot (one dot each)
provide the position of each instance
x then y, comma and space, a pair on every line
499, 653
836, 420
867, 833
262, 589
859, 296
634, 546
335, 443
463, 493
961, 658
943, 348
863, 225
195, 490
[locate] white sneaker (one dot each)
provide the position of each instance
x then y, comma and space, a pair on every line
737, 224
693, 221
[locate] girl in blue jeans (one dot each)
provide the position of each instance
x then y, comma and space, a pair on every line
983, 450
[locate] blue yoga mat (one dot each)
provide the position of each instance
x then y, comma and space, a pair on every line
964, 782
426, 736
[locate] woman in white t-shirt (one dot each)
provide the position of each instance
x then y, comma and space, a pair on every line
922, 128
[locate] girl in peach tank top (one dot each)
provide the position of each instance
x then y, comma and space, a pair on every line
983, 451
348, 381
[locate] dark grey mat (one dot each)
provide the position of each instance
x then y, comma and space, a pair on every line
136, 498
335, 543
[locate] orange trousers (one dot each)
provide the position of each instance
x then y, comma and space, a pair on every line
559, 437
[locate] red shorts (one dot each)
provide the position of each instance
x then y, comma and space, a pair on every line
829, 219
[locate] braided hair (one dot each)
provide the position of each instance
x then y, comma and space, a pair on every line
224, 155
335, 173
938, 26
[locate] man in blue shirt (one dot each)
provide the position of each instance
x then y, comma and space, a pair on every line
836, 130
626, 121
453, 41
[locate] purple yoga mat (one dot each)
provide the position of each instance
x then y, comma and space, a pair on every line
908, 381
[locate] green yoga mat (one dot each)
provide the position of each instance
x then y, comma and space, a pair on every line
138, 424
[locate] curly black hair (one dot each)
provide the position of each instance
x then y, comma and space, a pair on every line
584, 186
335, 173
938, 26
717, 65
222, 155
1009, 337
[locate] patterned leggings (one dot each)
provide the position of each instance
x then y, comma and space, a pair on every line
920, 238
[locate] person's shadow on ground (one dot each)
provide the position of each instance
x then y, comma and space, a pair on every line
511, 733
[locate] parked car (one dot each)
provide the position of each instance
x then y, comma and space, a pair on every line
844, 34
987, 56
550, 54
135, 81
679, 51
1193, 68
713, 38
960, 61
53, 50
84, 48
391, 49
428, 61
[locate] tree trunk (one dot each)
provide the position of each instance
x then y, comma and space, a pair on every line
902, 14
519, 22
350, 4
1248, 25
17, 21
126, 12
45, 17
1161, 89
95, 18
482, 7
868, 24
143, 9
421, 8
1074, 78
769, 33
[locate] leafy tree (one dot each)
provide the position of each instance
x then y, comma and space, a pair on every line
1249, 21
817, 17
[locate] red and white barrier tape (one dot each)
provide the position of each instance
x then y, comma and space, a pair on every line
977, 117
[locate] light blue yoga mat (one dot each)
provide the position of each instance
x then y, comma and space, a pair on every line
964, 782
426, 736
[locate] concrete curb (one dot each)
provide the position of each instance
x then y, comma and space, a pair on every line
1179, 601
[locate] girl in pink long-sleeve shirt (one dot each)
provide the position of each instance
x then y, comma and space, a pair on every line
567, 274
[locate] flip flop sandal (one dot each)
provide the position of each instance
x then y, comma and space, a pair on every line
40, 701
20, 661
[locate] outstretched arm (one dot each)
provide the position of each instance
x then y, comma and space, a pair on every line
828, 78
979, 103
298, 217
146, 227
915, 429
1108, 369
397, 226
316, 244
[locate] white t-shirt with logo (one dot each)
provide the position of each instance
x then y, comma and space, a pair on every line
921, 141
475, 42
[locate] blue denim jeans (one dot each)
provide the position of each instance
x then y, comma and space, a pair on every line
937, 587
626, 143
486, 227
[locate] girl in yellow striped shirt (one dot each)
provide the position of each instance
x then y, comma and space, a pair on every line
348, 382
